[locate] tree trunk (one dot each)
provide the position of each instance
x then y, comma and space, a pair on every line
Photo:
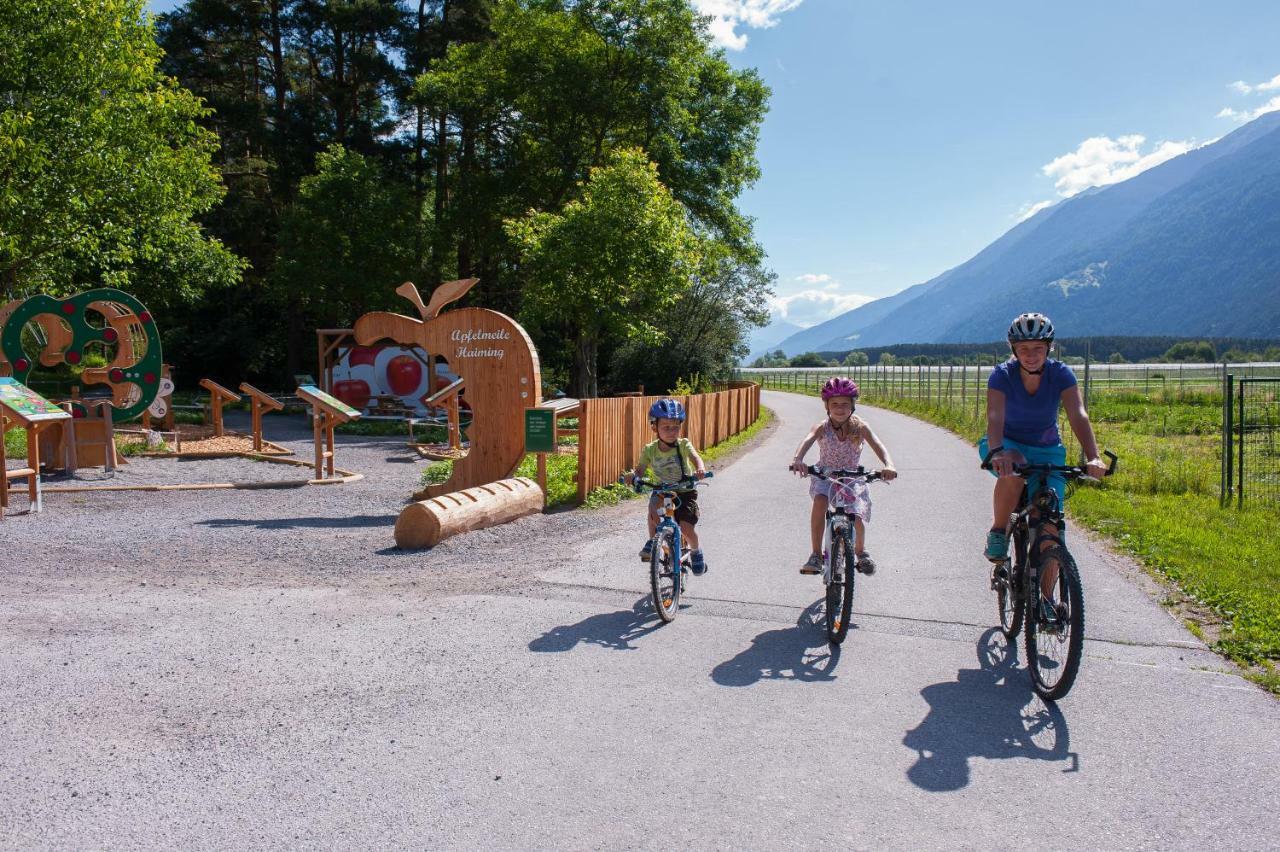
584, 366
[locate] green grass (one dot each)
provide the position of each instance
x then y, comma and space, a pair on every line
1162, 507
562, 471
15, 443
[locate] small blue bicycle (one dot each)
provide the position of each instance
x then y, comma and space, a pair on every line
668, 560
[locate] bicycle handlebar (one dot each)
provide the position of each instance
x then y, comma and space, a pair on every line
640, 484
836, 473
1072, 471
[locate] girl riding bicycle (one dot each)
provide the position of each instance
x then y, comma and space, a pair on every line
840, 437
1023, 396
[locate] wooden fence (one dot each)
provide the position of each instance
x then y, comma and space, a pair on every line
612, 431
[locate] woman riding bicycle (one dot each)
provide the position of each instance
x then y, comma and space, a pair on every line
1023, 395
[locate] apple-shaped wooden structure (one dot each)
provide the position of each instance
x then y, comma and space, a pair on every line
495, 358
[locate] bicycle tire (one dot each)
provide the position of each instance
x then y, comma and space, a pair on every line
1053, 658
1011, 598
840, 592
662, 578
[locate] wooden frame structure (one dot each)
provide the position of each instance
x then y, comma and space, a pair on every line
259, 404
326, 412
24, 408
447, 397
218, 396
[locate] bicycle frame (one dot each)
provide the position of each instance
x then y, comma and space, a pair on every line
840, 521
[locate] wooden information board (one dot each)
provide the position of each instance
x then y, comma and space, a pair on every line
326, 411
22, 407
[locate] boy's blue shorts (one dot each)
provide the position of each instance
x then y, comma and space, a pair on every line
1056, 454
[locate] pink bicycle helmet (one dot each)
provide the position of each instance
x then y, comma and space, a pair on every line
840, 386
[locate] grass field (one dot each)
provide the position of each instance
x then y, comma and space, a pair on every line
1162, 508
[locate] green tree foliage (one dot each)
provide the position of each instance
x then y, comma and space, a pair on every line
776, 358
608, 263
348, 235
1117, 358
102, 162
1200, 351
856, 358
808, 359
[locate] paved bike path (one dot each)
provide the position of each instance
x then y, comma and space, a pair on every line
389, 699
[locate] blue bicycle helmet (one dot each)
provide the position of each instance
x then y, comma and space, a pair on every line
671, 409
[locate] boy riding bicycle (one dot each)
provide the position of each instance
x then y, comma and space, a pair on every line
672, 459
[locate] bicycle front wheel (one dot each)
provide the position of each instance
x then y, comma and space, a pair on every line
663, 579
840, 590
1010, 597
1054, 648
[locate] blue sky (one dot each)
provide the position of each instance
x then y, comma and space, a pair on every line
905, 136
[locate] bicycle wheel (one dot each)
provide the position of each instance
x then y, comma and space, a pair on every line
666, 589
840, 590
1010, 597
1054, 650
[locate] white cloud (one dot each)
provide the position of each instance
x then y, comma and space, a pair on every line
1243, 88
1243, 115
815, 278
1101, 160
1029, 210
810, 307
728, 15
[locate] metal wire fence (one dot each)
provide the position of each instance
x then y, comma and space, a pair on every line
1174, 423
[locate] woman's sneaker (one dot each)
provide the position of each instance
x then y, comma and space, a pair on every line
865, 564
997, 546
646, 552
813, 565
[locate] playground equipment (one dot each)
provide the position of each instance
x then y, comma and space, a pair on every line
326, 412
427, 522
21, 406
66, 329
494, 358
259, 403
218, 396
86, 440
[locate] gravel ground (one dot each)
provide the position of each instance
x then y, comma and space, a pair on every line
280, 536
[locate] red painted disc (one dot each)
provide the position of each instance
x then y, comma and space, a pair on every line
73, 357
110, 335
21, 365
149, 378
116, 375
68, 308
145, 316
77, 413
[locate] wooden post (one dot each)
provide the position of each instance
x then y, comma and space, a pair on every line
4, 466
217, 396
317, 434
258, 401
326, 412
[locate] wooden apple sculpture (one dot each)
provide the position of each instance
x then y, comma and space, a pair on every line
495, 358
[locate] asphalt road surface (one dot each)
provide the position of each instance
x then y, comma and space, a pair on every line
513, 689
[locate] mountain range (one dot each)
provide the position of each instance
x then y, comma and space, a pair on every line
1189, 247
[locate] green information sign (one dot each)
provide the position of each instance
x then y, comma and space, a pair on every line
311, 393
27, 404
539, 430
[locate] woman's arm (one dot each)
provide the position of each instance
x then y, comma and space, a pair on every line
889, 471
1000, 462
1073, 405
797, 463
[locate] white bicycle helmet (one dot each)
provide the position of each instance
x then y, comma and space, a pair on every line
1030, 326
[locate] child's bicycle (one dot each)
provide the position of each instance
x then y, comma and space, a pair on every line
668, 560
839, 562
1054, 644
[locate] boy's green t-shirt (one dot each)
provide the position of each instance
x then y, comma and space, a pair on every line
666, 464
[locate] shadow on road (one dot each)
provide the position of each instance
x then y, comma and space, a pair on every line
349, 522
799, 653
986, 712
615, 630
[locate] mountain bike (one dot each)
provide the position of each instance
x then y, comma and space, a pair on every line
839, 559
668, 560
1054, 644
